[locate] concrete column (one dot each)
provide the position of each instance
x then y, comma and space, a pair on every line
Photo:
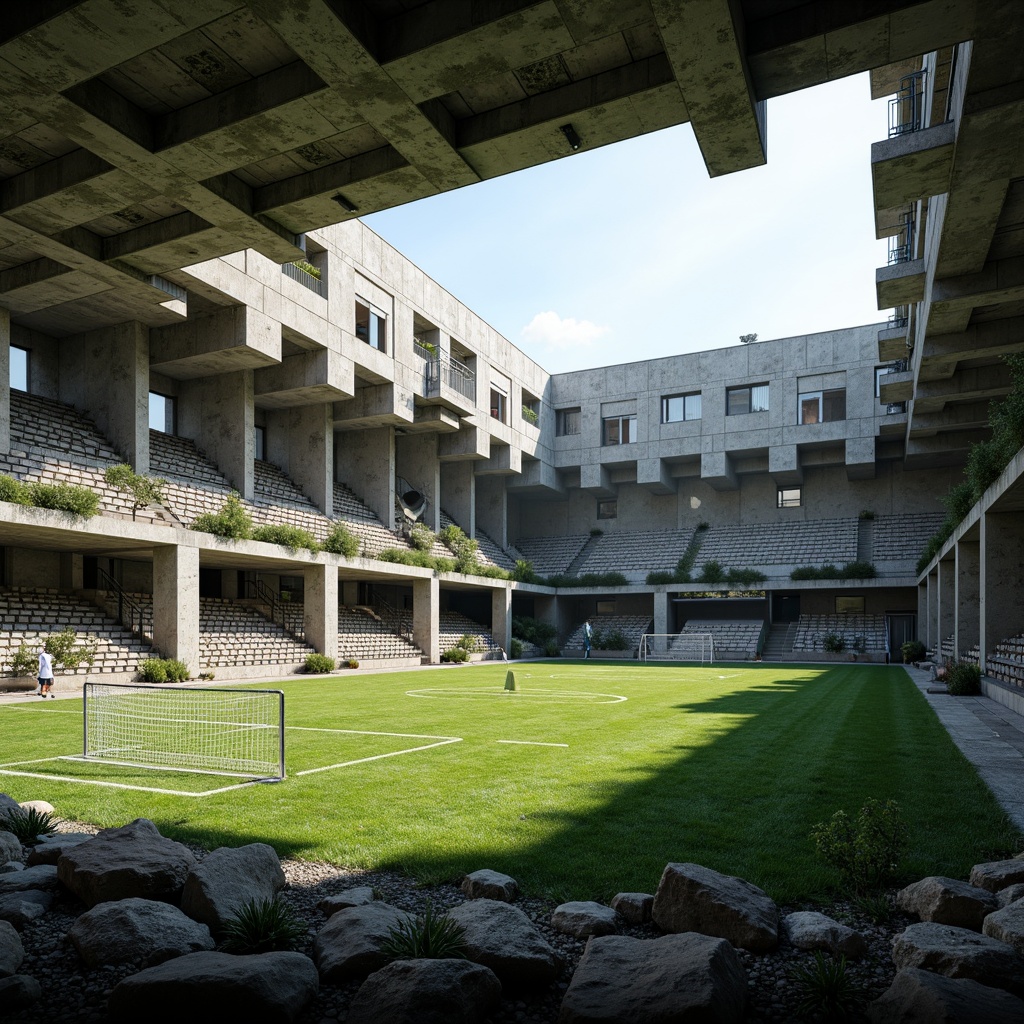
946, 619
932, 622
176, 603
501, 616
229, 585
349, 592
301, 442
320, 612
492, 508
364, 460
426, 601
967, 626
1001, 579
458, 494
922, 611
72, 571
661, 613
5, 380
416, 460
217, 413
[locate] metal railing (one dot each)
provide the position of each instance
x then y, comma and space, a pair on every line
259, 591
304, 277
907, 107
449, 371
899, 318
130, 613
901, 245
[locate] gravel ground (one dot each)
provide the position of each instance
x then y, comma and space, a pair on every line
73, 993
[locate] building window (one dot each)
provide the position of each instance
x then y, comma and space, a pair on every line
567, 422
788, 497
499, 405
751, 398
162, 413
371, 325
531, 408
608, 509
823, 406
619, 430
260, 442
676, 408
19, 369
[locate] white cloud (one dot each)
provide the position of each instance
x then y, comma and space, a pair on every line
550, 329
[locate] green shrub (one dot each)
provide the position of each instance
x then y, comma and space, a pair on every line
68, 650
833, 643
27, 824
421, 537
455, 655
530, 415
515, 648
232, 521
523, 572
143, 490
850, 571
352, 663
876, 907
589, 579
804, 572
163, 670
340, 541
177, 671
551, 649
287, 536
533, 631
867, 513
712, 572
78, 501
262, 926
744, 577
428, 936
866, 852
13, 491
614, 641
308, 268
469, 643
319, 664
913, 650
25, 662
659, 577
826, 990
963, 679
858, 571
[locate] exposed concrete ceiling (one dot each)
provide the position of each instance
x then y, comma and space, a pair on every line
138, 139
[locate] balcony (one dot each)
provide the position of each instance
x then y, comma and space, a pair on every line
305, 278
447, 381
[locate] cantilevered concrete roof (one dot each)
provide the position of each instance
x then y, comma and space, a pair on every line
139, 138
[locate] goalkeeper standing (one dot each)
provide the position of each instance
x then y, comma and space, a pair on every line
45, 674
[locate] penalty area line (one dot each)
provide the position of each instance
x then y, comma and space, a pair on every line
379, 757
533, 743
123, 785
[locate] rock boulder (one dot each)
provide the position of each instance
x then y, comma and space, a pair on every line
12, 952
633, 907
217, 887
810, 930
921, 997
959, 953
356, 897
1007, 925
998, 874
490, 885
19, 908
348, 945
581, 919
947, 901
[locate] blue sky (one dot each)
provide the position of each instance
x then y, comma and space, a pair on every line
631, 252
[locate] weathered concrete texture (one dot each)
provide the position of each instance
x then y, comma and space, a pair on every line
176, 603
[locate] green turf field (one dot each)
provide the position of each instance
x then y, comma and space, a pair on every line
583, 783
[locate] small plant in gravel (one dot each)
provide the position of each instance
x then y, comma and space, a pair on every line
825, 989
866, 852
26, 824
876, 907
262, 926
427, 936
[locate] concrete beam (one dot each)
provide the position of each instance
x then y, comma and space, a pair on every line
471, 442
896, 387
176, 603
784, 465
320, 608
900, 284
703, 40
992, 339
426, 602
954, 298
860, 458
912, 166
376, 405
972, 384
236, 339
306, 378
655, 476
717, 471
504, 460
892, 344
595, 478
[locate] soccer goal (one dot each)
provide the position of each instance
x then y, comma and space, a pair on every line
205, 729
678, 647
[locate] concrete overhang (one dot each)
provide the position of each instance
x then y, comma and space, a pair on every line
894, 424
912, 166
504, 460
468, 443
372, 365
307, 378
538, 479
596, 479
237, 338
433, 419
374, 405
941, 354
896, 387
885, 81
655, 476
860, 458
900, 284
784, 465
892, 344
437, 391
717, 471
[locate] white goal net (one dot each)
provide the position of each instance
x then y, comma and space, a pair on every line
207, 729
678, 647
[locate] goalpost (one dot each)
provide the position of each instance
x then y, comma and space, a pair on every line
204, 729
678, 647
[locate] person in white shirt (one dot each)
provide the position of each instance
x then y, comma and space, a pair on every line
45, 674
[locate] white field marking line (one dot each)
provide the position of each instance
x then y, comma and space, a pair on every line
574, 696
533, 743
101, 758
124, 785
364, 732
378, 757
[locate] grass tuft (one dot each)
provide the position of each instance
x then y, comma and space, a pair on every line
262, 926
428, 936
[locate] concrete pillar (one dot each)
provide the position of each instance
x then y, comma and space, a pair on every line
492, 508
229, 585
661, 613
364, 460
176, 603
946, 619
349, 592
426, 601
72, 571
320, 612
416, 461
217, 413
301, 442
501, 616
458, 494
932, 621
967, 625
5, 380
1001, 579
922, 611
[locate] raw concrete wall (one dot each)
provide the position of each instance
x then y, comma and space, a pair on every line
416, 462
301, 442
364, 460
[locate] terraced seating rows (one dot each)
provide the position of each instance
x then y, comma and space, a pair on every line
635, 554
812, 629
488, 552
453, 625
1006, 663
551, 555
903, 537
233, 634
776, 548
29, 616
363, 635
733, 635
632, 627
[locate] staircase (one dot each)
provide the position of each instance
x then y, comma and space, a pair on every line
778, 645
865, 540
573, 568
